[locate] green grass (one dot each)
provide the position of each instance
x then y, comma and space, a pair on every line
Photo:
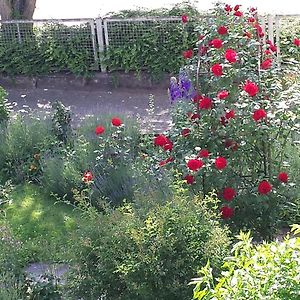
43, 227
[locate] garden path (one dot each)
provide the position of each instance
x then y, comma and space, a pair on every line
84, 102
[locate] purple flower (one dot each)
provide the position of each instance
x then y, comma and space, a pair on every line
182, 90
174, 90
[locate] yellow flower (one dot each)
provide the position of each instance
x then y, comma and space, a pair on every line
32, 168
37, 156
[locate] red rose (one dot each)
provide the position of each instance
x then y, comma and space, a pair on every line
168, 146
165, 161
220, 163
161, 140
264, 187
228, 7
266, 64
228, 193
197, 98
248, 35
190, 179
203, 153
184, 18
87, 176
116, 122
170, 159
251, 20
259, 114
283, 177
272, 47
203, 50
222, 30
187, 54
205, 103
226, 212
195, 116
195, 164
230, 114
223, 94
185, 132
297, 42
223, 121
231, 55
228, 143
217, 69
233, 145
259, 30
237, 7
162, 163
99, 129
238, 13
268, 52
251, 88
217, 43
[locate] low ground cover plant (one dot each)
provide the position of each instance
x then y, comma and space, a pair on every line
267, 271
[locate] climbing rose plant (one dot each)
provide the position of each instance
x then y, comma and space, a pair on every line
230, 120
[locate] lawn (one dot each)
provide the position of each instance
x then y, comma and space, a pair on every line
41, 224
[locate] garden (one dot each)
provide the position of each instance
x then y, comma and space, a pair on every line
208, 209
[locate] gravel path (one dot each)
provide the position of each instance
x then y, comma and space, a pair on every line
84, 102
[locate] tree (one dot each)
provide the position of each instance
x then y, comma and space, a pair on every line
17, 9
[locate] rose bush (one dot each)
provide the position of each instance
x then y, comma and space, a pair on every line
230, 101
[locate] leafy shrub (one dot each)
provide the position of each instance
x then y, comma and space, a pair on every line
148, 51
267, 271
4, 107
11, 286
289, 30
10, 247
143, 45
23, 140
229, 121
108, 156
125, 254
61, 122
46, 288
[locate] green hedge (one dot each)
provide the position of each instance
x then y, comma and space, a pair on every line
52, 48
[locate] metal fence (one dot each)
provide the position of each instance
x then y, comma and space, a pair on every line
80, 33
118, 31
94, 35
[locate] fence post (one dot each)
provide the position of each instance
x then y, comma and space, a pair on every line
100, 38
262, 21
271, 29
92, 25
19, 33
277, 28
105, 32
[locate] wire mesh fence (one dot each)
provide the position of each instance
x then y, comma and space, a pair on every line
120, 31
54, 41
